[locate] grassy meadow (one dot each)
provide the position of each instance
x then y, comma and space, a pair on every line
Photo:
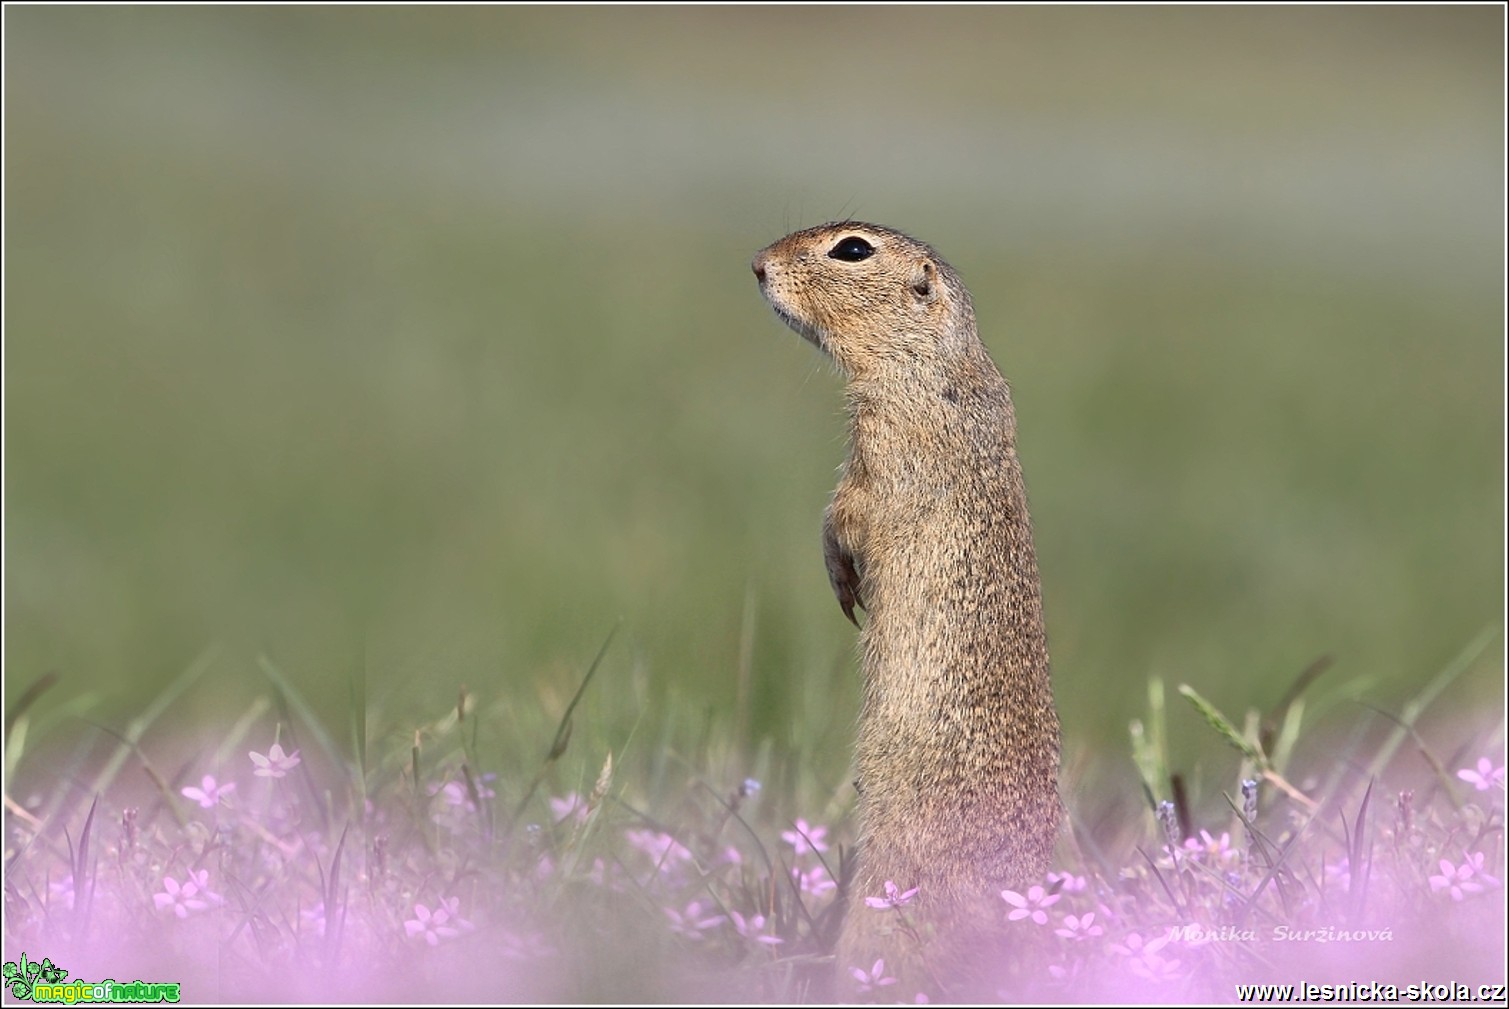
361, 360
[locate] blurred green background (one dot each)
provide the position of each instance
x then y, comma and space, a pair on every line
422, 344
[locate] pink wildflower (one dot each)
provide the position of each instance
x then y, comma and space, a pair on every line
1033, 905
893, 897
457, 794
526, 946
208, 794
806, 837
1157, 967
1079, 928
432, 926
754, 929
1217, 851
276, 763
1462, 880
815, 881
191, 896
313, 919
873, 978
662, 848
1484, 776
1338, 873
62, 891
1145, 957
604, 875
569, 806
1068, 882
694, 920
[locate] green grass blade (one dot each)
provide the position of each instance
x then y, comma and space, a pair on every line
202, 664
1423, 700
301, 708
1222, 724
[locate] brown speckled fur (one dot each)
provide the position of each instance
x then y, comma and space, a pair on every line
958, 750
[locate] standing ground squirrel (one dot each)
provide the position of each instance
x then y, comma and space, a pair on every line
928, 533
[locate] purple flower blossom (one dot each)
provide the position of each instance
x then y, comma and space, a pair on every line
569, 806
1157, 967
1079, 928
452, 907
806, 837
1068, 882
816, 881
1033, 905
191, 896
1217, 851
603, 874
1145, 957
313, 919
1134, 945
529, 947
1484, 777
276, 763
282, 853
873, 978
442, 923
894, 897
1462, 880
61, 890
457, 794
209, 794
754, 929
662, 848
692, 922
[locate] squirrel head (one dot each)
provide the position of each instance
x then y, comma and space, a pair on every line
876, 301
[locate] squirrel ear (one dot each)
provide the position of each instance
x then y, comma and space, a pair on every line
924, 283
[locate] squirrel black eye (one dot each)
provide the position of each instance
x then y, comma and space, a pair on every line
852, 250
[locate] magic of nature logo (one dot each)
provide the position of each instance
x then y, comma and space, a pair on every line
46, 982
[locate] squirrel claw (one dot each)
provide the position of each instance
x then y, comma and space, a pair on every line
843, 574
848, 607
845, 581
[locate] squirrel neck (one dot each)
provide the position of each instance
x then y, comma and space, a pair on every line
934, 408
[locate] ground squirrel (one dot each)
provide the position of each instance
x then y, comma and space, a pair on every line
928, 533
